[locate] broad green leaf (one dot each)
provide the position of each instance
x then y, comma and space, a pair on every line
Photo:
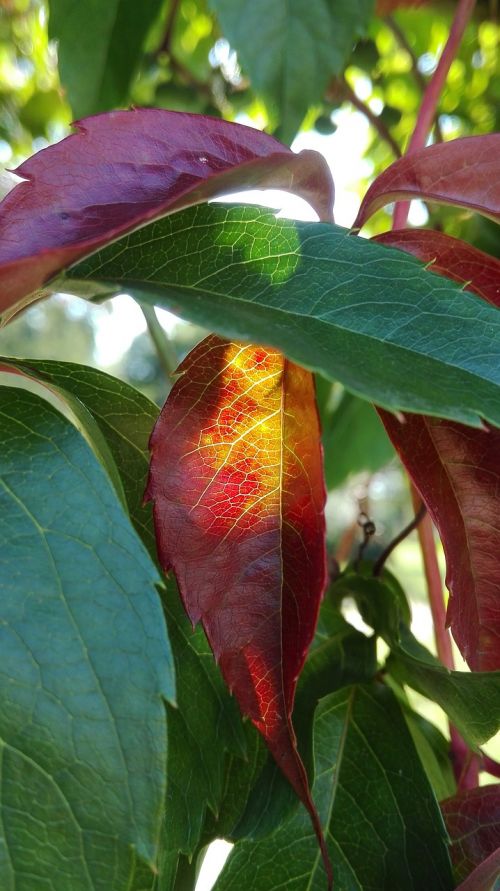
85, 667
383, 825
354, 439
202, 729
470, 699
306, 42
369, 316
99, 49
116, 419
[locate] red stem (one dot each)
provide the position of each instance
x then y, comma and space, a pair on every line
430, 100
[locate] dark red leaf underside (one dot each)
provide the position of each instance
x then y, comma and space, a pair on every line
465, 172
122, 169
237, 483
473, 822
457, 472
451, 257
485, 876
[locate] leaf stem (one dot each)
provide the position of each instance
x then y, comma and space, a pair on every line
380, 562
432, 94
166, 43
163, 346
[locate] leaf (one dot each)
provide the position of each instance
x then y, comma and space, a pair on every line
354, 439
473, 822
201, 730
434, 753
383, 824
470, 699
328, 300
236, 480
450, 257
457, 472
85, 666
122, 169
485, 877
117, 420
464, 172
99, 47
306, 41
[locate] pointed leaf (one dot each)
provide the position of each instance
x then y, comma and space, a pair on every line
117, 420
457, 472
451, 257
464, 172
120, 170
367, 315
85, 667
306, 41
470, 699
473, 822
383, 825
236, 480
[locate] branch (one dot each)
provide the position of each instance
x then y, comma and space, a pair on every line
432, 94
165, 46
380, 562
384, 133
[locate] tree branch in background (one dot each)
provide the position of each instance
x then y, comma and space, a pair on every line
348, 93
380, 562
417, 74
166, 44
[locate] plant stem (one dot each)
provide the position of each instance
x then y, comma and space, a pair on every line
373, 119
164, 349
169, 27
380, 562
431, 96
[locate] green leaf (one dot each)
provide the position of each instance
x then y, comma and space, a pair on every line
470, 699
306, 42
99, 49
354, 439
85, 666
381, 602
384, 829
116, 419
369, 316
206, 725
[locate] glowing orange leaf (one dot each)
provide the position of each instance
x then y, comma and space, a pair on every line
237, 480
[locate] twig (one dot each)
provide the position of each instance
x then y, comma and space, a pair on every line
380, 562
165, 46
164, 349
370, 116
417, 74
432, 93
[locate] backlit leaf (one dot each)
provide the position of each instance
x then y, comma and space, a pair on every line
236, 480
473, 822
485, 877
465, 172
120, 170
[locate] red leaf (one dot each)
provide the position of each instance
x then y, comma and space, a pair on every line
451, 257
237, 482
124, 168
473, 822
456, 469
485, 876
464, 171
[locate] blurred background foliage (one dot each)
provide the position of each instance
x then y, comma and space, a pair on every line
344, 75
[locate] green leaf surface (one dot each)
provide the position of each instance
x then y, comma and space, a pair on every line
117, 421
383, 825
369, 316
99, 49
85, 667
354, 439
202, 729
306, 42
470, 699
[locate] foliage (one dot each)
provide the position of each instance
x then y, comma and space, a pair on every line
124, 753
